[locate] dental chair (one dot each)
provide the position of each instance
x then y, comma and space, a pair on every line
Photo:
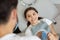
45, 9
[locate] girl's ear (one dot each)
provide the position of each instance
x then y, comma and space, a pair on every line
38, 15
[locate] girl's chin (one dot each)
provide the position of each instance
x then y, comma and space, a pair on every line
34, 23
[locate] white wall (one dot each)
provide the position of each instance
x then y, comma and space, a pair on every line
56, 1
57, 26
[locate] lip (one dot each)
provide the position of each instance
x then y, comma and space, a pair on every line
33, 20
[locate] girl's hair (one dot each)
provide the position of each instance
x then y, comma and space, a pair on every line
31, 8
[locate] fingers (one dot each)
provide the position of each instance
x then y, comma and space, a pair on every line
52, 37
39, 34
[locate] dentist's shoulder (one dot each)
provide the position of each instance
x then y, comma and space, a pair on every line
26, 38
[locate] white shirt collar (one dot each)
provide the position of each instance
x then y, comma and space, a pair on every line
8, 36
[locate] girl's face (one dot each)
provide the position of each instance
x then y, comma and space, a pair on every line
32, 16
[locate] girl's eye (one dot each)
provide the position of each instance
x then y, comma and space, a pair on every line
33, 13
28, 16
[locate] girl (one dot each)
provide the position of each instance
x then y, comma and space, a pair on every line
37, 25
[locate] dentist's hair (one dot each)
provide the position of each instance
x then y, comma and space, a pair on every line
6, 7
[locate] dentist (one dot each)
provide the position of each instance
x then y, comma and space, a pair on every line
8, 20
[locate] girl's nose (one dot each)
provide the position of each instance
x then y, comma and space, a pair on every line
32, 17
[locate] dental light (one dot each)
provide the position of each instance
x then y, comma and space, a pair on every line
29, 3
